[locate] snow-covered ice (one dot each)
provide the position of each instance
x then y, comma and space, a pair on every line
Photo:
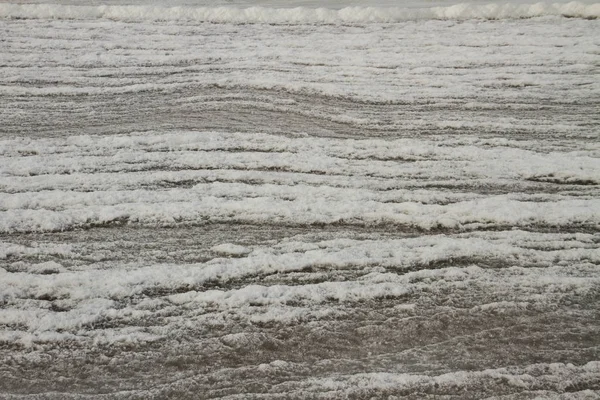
297, 199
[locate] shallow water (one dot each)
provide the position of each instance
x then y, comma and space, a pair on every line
363, 210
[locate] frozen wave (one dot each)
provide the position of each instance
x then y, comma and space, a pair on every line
300, 15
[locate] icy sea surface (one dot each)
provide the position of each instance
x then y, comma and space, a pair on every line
281, 200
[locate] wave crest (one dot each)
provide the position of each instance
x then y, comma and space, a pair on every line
300, 15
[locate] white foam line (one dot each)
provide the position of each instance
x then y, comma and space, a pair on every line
493, 211
532, 377
386, 159
300, 15
293, 256
94, 295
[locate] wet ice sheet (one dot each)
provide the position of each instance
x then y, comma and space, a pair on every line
323, 211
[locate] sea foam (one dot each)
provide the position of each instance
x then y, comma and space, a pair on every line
299, 15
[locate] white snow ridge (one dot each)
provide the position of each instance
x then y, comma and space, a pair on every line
241, 199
